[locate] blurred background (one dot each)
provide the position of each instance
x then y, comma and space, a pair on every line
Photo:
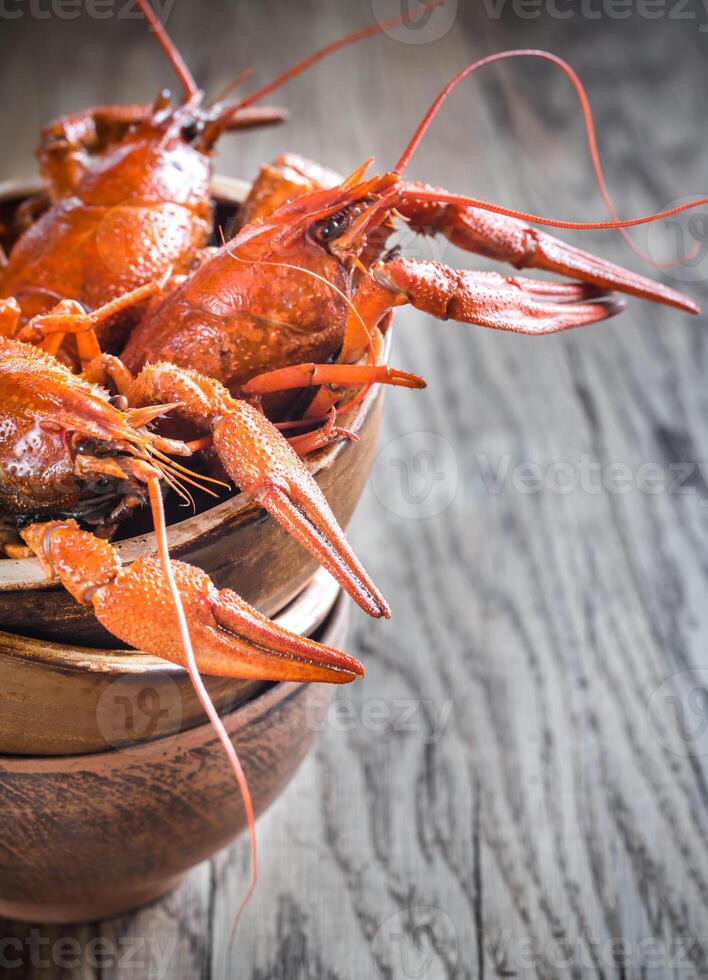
519, 785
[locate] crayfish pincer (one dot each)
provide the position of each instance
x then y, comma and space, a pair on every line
301, 293
62, 439
230, 638
60, 412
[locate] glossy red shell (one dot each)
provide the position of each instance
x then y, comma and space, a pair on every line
142, 209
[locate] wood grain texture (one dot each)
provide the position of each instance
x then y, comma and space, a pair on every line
507, 793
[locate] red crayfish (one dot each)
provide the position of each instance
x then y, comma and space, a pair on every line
297, 299
312, 280
129, 193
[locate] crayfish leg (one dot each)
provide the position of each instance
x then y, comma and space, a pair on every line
69, 317
342, 375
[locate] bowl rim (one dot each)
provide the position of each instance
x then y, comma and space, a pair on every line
304, 615
18, 575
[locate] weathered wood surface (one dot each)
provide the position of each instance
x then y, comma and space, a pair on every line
510, 791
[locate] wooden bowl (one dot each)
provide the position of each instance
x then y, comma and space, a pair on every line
85, 837
61, 700
236, 542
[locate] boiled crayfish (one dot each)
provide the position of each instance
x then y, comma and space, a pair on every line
119, 176
252, 451
308, 279
297, 299
67, 448
129, 192
311, 279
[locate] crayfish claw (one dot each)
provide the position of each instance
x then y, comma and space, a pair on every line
306, 515
512, 240
279, 654
230, 638
266, 468
488, 299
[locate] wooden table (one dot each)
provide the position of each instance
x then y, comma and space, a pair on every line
519, 787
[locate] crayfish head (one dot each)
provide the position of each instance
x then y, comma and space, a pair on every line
364, 221
184, 121
339, 221
150, 160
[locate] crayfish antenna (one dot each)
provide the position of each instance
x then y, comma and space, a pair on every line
616, 223
185, 76
218, 126
235, 82
158, 515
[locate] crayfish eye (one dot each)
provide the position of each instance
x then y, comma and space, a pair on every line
192, 131
331, 228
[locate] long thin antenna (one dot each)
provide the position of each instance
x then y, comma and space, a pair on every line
158, 516
242, 76
536, 219
589, 122
301, 66
175, 58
